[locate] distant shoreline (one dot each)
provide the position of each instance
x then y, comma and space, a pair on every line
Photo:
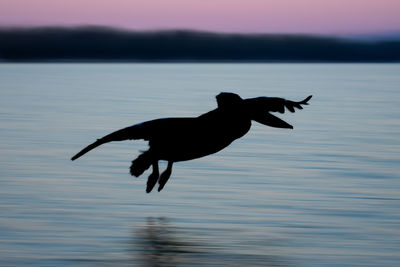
105, 45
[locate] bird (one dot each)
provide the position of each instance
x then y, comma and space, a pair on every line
178, 139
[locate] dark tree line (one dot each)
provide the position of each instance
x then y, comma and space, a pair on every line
105, 44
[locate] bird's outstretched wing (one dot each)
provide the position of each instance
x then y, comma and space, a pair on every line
138, 131
290, 105
276, 104
261, 106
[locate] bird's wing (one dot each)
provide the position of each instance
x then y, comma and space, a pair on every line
142, 130
261, 106
276, 104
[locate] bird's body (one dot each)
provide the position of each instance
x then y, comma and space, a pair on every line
180, 139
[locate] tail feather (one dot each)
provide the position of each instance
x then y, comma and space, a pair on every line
132, 132
141, 164
88, 148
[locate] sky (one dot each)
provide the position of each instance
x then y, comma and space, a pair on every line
244, 16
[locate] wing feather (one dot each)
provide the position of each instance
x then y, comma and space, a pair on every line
260, 107
275, 104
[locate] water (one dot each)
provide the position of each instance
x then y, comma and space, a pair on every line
324, 194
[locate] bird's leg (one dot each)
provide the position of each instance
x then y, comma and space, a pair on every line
153, 178
165, 176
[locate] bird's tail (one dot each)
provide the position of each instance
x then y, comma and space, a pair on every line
142, 163
88, 148
132, 132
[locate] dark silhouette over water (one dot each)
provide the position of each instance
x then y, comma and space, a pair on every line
180, 139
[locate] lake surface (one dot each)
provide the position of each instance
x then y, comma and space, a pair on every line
324, 194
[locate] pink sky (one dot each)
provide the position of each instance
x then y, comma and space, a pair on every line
261, 16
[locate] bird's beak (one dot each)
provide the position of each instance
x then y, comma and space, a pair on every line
271, 120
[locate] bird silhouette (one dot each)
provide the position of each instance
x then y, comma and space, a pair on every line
180, 139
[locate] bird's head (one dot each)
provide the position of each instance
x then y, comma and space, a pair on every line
226, 99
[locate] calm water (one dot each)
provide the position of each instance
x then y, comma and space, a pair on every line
324, 194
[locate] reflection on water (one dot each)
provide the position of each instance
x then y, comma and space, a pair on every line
160, 243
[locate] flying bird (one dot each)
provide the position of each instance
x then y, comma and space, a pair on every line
180, 139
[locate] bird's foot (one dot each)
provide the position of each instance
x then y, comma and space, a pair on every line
151, 182
165, 176
163, 179
153, 178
